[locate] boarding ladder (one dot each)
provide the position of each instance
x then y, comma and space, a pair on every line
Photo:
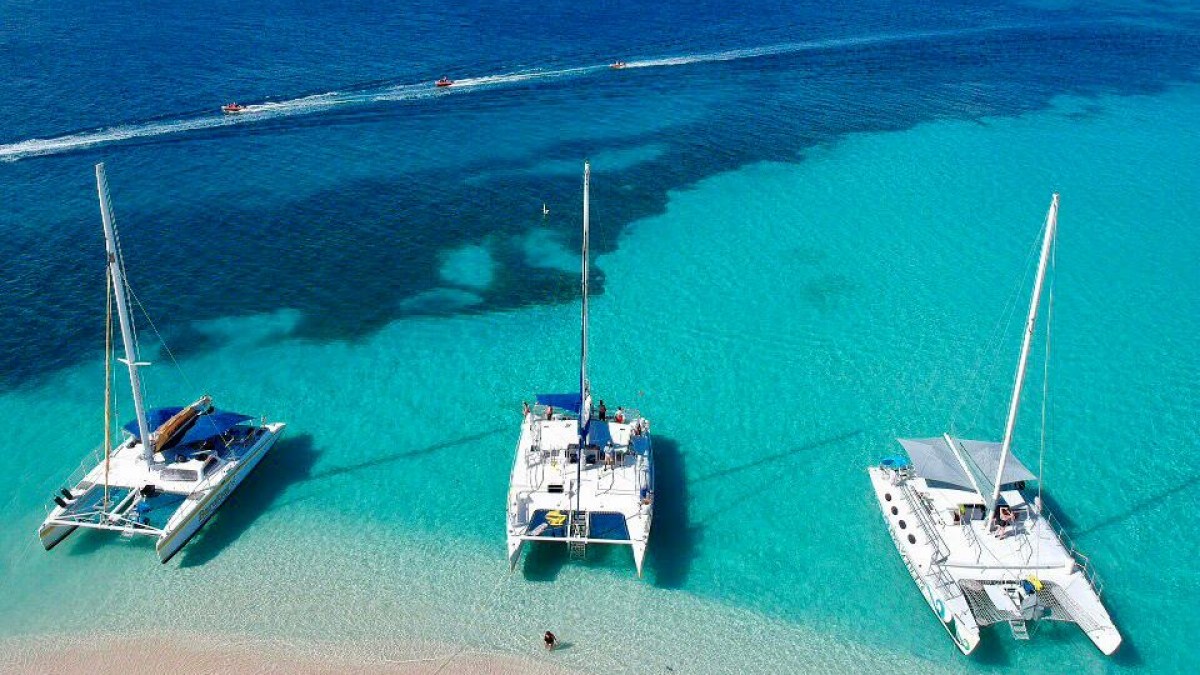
579, 535
1020, 630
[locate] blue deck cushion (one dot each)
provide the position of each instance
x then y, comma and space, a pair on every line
609, 526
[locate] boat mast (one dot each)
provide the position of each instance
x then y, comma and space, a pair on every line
585, 395
108, 379
116, 269
1026, 343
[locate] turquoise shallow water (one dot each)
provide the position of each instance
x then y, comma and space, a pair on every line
780, 323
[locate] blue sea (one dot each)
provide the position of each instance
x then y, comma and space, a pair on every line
813, 227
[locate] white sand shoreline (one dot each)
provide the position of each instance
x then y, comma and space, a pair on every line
199, 654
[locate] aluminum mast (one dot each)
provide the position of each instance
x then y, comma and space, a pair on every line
117, 269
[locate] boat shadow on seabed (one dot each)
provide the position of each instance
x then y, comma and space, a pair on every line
289, 462
674, 538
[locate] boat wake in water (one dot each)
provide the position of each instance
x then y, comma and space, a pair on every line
304, 105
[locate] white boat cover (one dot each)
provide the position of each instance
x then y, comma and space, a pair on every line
935, 461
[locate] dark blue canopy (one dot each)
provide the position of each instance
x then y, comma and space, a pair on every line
202, 429
570, 402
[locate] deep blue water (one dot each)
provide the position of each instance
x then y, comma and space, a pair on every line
373, 219
413, 176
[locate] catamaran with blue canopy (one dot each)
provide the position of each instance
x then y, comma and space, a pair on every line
583, 473
175, 466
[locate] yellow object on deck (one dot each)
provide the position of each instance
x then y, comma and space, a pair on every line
556, 518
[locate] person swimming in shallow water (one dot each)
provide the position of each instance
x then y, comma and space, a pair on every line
551, 641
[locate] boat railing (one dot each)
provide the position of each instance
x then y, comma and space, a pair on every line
212, 477
539, 410
918, 509
90, 460
972, 537
535, 430
941, 550
1081, 559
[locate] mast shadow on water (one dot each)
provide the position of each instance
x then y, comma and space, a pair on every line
1145, 504
407, 454
780, 458
290, 462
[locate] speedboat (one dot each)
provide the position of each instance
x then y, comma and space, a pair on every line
444, 82
173, 467
617, 65
233, 108
581, 475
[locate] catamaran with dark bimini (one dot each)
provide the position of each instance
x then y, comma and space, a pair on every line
583, 474
975, 535
175, 466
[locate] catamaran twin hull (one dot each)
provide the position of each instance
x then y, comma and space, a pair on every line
609, 499
972, 576
149, 501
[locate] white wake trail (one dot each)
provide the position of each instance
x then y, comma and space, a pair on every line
305, 105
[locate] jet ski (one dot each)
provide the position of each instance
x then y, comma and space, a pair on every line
617, 65
444, 82
233, 108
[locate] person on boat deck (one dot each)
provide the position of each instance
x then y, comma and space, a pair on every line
525, 408
602, 412
620, 418
1006, 518
551, 641
549, 412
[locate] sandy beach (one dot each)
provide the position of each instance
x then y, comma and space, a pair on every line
208, 655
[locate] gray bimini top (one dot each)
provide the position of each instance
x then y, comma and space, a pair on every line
934, 460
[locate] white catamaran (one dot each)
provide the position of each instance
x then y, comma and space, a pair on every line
979, 543
581, 475
175, 466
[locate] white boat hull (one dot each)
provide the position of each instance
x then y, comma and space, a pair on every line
623, 490
191, 518
950, 608
52, 535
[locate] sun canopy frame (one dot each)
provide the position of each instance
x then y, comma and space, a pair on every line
971, 466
